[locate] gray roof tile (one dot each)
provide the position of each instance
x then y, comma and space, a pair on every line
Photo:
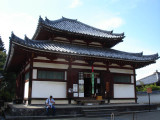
64, 48
75, 26
151, 79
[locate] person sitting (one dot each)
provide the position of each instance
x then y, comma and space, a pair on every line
50, 105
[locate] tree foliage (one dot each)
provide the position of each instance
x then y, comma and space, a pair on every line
7, 84
1, 45
144, 87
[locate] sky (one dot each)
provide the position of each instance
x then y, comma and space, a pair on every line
138, 19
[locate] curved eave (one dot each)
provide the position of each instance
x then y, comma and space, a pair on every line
49, 22
117, 38
80, 51
9, 56
146, 62
110, 42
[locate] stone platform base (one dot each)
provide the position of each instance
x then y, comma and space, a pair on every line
19, 112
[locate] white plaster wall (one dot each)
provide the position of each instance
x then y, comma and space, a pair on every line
34, 73
81, 67
26, 86
80, 61
87, 67
154, 98
114, 65
132, 79
116, 70
61, 38
65, 75
61, 60
98, 63
43, 89
95, 43
41, 58
81, 41
129, 66
124, 91
99, 68
50, 65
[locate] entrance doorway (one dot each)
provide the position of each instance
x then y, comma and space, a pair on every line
87, 87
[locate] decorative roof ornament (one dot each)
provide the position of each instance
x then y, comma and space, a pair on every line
46, 19
64, 18
12, 35
40, 20
26, 38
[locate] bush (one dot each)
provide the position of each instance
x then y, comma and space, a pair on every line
6, 96
144, 88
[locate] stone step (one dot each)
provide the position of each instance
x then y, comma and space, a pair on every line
98, 115
9, 117
97, 110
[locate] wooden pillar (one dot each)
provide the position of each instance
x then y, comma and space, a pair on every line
17, 87
30, 80
107, 79
69, 82
21, 89
22, 85
134, 76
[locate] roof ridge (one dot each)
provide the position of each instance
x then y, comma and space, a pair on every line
146, 77
69, 19
14, 37
153, 55
26, 38
75, 20
130, 53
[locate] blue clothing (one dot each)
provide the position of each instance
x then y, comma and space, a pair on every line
50, 102
49, 105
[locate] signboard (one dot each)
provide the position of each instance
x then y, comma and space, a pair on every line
107, 86
149, 90
75, 87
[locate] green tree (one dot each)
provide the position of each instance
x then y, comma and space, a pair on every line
7, 84
2, 55
144, 87
1, 45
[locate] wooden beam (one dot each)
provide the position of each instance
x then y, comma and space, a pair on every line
30, 79
134, 76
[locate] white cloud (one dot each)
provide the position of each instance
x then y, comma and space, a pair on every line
111, 23
19, 23
134, 45
75, 3
148, 70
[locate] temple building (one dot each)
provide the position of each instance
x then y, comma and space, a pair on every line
71, 61
149, 80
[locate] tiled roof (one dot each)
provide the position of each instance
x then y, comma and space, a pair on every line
64, 48
151, 79
74, 26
